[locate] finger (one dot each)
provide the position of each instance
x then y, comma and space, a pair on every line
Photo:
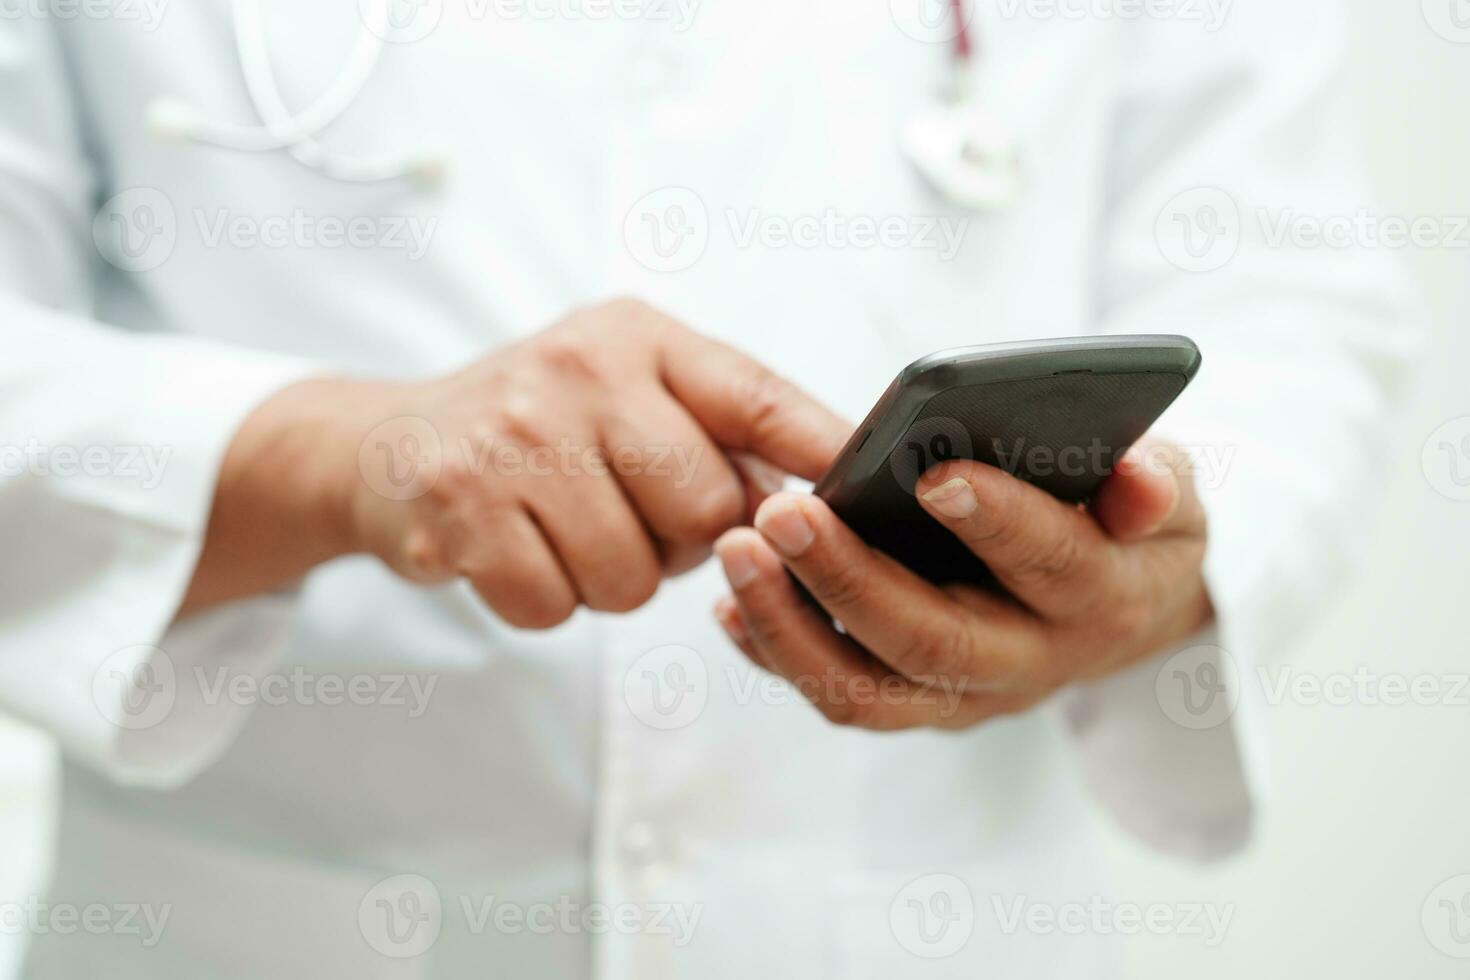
1150, 492
746, 407
598, 538
732, 621
682, 485
760, 479
510, 564
796, 641
908, 623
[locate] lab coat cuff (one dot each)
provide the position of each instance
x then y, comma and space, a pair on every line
141, 702
1174, 748
190, 694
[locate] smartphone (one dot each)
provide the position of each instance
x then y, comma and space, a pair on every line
1055, 413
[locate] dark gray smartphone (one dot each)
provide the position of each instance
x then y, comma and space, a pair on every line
1056, 413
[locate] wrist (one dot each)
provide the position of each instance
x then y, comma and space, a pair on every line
301, 450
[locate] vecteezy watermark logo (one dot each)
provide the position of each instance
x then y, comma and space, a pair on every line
1096, 916
401, 21
1199, 230
1445, 459
931, 21
667, 230
1198, 687
401, 917
147, 13
1210, 14
933, 916
135, 688
1450, 19
667, 687
140, 465
1445, 916
137, 229
401, 459
928, 442
831, 229
34, 917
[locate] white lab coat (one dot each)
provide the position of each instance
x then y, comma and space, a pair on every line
544, 769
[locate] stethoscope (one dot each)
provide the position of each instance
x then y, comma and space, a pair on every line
171, 119
962, 148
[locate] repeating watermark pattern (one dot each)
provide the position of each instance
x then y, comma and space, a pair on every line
402, 917
1207, 922
669, 230
1199, 687
138, 230
939, 439
1363, 687
34, 916
1445, 459
404, 457
410, 21
148, 14
927, 443
1199, 230
669, 687
1450, 19
1210, 15
141, 465
933, 916
1445, 917
139, 686
1202, 229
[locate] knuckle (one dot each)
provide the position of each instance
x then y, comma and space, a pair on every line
943, 651
625, 589
846, 712
1126, 619
765, 396
524, 602
840, 586
708, 512
457, 481
1055, 558
540, 615
523, 419
574, 357
630, 312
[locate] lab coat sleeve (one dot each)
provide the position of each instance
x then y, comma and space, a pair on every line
111, 441
1306, 347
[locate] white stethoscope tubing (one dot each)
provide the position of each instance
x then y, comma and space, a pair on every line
295, 134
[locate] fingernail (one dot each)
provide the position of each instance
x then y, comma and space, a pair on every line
952, 498
785, 526
739, 566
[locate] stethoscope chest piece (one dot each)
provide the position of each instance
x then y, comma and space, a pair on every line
966, 152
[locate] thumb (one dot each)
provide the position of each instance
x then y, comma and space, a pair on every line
745, 407
1150, 492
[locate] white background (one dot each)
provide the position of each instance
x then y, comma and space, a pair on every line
1371, 805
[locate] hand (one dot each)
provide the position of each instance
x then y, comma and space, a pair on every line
578, 466
1090, 592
